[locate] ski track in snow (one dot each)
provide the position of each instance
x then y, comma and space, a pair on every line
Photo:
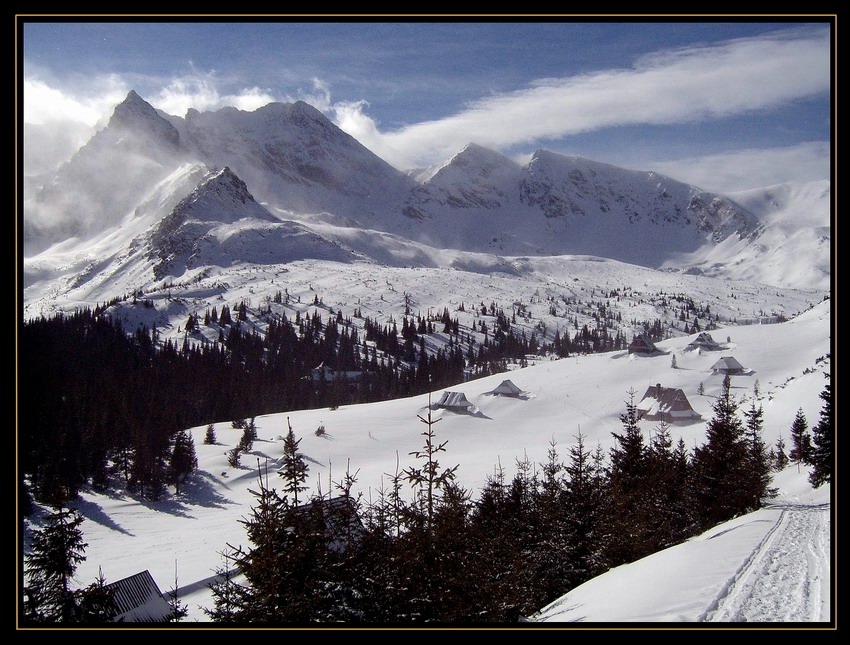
784, 579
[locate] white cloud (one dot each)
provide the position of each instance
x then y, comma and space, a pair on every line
750, 168
56, 124
44, 104
679, 86
200, 91
319, 98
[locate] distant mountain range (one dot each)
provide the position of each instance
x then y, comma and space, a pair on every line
158, 194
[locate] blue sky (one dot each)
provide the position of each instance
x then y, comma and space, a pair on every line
725, 105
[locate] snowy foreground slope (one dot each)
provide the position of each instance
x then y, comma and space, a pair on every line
769, 566
126, 535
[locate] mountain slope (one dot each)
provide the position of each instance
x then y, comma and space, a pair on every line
482, 201
106, 179
793, 246
770, 566
196, 219
294, 157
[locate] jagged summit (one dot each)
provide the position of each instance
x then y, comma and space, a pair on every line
478, 157
137, 115
295, 157
475, 177
222, 197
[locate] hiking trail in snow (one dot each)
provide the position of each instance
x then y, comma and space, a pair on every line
786, 577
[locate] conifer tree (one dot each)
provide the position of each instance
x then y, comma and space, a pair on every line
823, 455
670, 505
183, 460
801, 440
96, 603
780, 456
229, 597
55, 552
294, 468
179, 610
262, 599
720, 465
582, 507
629, 510
249, 435
233, 456
210, 438
759, 467
430, 477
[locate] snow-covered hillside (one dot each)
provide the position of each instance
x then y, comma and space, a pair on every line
794, 245
579, 394
544, 296
293, 157
769, 566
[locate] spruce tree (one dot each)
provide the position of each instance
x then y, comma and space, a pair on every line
294, 468
720, 465
430, 477
781, 458
209, 437
96, 603
55, 552
183, 460
759, 467
179, 610
801, 440
582, 509
229, 597
823, 436
671, 517
629, 508
249, 435
233, 457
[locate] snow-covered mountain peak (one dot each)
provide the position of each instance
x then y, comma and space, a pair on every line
220, 224
476, 159
140, 117
299, 164
568, 185
295, 158
476, 177
221, 196
476, 164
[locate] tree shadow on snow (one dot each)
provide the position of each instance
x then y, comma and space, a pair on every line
168, 505
200, 490
94, 512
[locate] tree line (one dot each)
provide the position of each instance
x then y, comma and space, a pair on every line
95, 397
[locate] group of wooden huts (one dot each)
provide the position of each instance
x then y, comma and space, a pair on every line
457, 401
671, 404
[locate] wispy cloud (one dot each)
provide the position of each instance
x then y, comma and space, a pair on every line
199, 90
750, 168
677, 86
